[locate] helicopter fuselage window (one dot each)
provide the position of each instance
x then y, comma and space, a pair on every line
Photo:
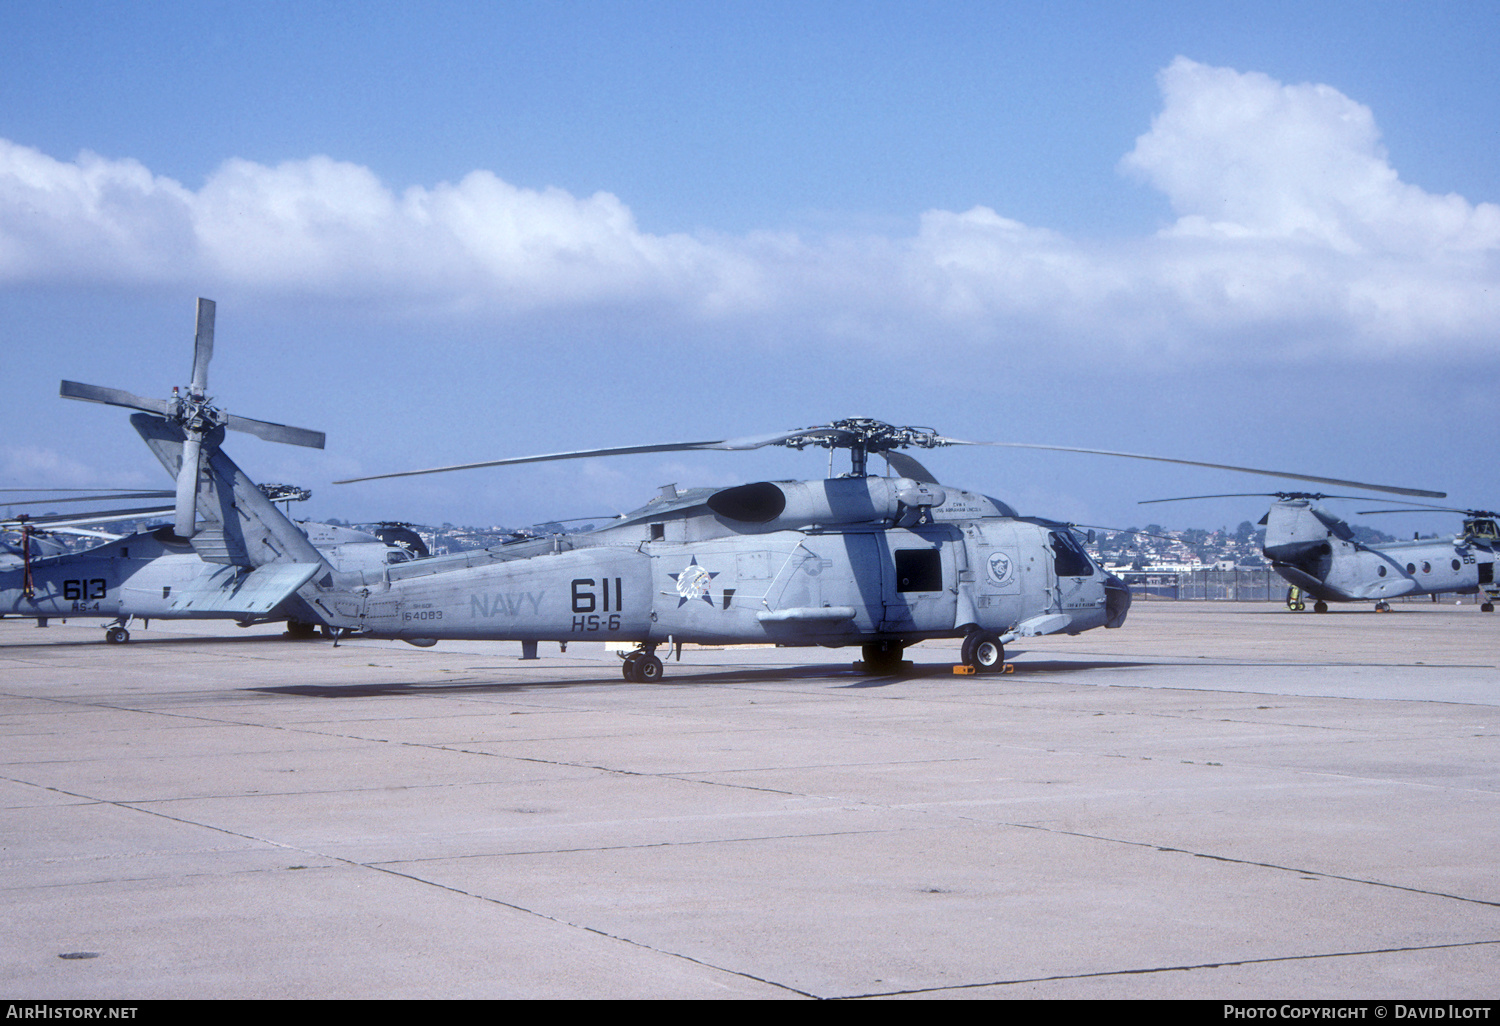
919, 570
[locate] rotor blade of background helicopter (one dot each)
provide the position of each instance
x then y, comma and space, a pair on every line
102, 492
733, 444
276, 432
203, 346
1440, 509
1219, 466
110, 497
112, 397
73, 519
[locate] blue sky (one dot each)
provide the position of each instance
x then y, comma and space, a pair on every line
1264, 234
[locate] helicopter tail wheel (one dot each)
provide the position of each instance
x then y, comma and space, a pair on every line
116, 635
1382, 607
983, 651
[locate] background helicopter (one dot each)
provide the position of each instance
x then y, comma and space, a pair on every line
1316, 551
879, 562
151, 573
189, 569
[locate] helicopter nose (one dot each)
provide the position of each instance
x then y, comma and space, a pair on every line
1116, 601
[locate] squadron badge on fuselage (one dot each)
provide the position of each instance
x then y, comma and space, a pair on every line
693, 583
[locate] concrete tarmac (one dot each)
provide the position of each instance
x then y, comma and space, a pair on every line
1220, 800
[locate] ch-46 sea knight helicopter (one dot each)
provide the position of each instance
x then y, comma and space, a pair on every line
190, 569
878, 562
1317, 552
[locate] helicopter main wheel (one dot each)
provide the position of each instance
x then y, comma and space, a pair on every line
1487, 607
299, 630
642, 668
984, 651
1320, 606
882, 657
117, 635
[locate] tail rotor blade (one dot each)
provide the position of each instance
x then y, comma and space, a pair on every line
112, 397
203, 346
276, 432
184, 515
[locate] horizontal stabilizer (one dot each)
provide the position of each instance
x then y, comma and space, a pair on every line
233, 592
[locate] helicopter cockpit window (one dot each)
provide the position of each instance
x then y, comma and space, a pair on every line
1486, 529
1068, 558
919, 570
393, 556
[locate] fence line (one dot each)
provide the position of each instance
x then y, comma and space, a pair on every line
1219, 586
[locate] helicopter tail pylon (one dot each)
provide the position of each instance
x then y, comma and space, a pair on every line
199, 421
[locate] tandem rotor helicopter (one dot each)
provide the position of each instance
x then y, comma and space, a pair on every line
860, 559
1316, 552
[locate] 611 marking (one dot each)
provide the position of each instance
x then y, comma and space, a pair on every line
585, 600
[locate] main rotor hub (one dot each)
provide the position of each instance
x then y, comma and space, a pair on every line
862, 436
869, 435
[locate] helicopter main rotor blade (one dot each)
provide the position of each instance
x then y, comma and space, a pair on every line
854, 435
906, 466
276, 432
732, 444
203, 346
113, 397
1283, 496
1221, 466
1226, 495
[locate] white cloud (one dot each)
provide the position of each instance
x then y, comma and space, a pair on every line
1243, 156
1294, 236
23, 465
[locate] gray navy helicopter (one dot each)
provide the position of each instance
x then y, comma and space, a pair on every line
877, 562
1317, 553
189, 569
152, 574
